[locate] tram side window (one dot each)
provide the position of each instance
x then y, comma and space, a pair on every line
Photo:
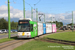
31, 27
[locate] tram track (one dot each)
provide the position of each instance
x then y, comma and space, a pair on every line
9, 43
59, 41
22, 41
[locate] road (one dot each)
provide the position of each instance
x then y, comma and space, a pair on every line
6, 35
15, 34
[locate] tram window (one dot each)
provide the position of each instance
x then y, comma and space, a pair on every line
31, 27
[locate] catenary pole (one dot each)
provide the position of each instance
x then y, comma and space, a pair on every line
24, 8
36, 14
31, 10
32, 13
72, 21
51, 20
9, 19
55, 19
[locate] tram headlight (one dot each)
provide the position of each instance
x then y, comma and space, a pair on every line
18, 33
27, 33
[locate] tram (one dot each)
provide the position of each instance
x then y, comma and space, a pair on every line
29, 29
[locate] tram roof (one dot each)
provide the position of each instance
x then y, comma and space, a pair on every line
25, 19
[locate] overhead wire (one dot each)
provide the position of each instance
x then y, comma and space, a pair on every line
36, 3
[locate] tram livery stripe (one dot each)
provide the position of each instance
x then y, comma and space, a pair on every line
23, 34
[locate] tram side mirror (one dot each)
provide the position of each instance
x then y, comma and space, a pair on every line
31, 27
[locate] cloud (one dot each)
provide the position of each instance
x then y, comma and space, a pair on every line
16, 14
66, 18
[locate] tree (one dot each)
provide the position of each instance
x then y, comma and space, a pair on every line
70, 24
58, 24
3, 24
14, 25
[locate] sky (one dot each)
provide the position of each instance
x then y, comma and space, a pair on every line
61, 10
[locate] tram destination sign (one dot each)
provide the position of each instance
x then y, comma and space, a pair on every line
23, 22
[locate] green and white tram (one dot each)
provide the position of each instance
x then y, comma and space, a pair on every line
27, 29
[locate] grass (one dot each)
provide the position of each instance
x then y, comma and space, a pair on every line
70, 36
40, 45
59, 30
7, 39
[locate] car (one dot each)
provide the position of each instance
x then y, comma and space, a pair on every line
4, 30
72, 28
10, 31
14, 30
64, 28
1, 31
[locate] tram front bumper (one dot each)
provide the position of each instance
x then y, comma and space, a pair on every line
25, 36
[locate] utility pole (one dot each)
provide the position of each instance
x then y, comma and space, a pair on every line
9, 19
24, 8
36, 14
32, 13
72, 21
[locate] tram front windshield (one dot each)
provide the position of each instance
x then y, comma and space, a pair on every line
24, 28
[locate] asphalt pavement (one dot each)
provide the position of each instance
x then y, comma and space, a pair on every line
6, 35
